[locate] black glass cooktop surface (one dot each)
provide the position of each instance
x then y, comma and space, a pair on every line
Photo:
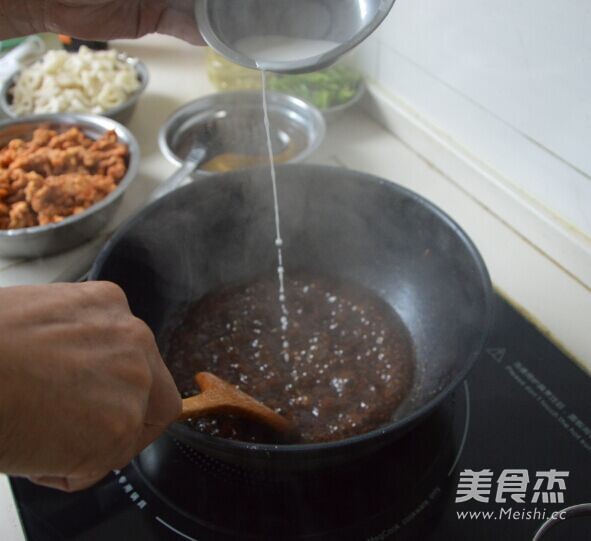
508, 450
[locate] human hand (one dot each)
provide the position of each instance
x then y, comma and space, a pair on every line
100, 19
83, 388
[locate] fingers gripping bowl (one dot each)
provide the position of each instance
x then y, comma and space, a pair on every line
337, 223
52, 238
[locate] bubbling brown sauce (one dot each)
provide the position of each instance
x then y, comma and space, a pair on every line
350, 362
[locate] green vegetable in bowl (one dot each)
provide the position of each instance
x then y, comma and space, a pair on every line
327, 88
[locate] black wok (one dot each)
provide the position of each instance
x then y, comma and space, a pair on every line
220, 230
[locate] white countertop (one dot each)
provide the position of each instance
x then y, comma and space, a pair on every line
554, 299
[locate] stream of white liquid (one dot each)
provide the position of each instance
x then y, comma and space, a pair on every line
278, 239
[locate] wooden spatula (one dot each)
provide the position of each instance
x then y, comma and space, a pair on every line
218, 397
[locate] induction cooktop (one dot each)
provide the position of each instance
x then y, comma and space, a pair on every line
508, 456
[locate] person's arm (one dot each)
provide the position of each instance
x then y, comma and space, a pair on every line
16, 20
99, 19
83, 388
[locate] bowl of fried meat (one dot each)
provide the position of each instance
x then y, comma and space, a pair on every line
62, 177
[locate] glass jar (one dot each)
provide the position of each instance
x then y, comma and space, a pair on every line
226, 76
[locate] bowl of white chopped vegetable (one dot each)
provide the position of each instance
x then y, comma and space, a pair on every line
107, 83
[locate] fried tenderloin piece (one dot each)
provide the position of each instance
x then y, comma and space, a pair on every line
56, 175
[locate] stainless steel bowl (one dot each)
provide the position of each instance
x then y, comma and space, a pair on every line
50, 239
122, 113
223, 23
235, 120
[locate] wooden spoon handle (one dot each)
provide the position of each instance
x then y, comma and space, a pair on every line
210, 402
219, 397
194, 406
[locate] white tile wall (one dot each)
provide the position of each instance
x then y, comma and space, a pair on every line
508, 81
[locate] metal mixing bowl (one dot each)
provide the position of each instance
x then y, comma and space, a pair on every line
50, 239
223, 23
233, 122
122, 113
